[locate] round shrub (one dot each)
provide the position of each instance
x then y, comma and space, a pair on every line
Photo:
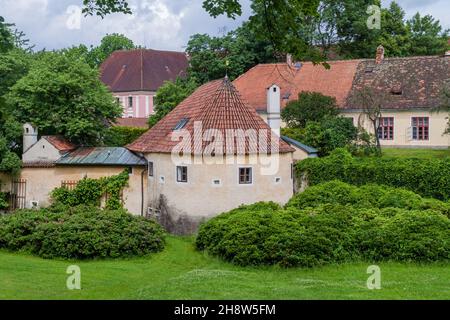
367, 196
80, 233
265, 234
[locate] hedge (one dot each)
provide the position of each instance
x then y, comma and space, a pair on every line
80, 233
367, 196
265, 234
427, 177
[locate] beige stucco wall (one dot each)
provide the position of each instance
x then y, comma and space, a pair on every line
402, 124
41, 151
299, 154
41, 181
200, 199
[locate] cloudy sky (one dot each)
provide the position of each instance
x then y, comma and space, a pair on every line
157, 24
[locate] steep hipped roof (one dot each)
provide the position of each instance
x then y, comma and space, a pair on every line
335, 82
216, 105
142, 69
60, 143
101, 156
408, 83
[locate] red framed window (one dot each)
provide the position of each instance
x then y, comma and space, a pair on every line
420, 128
386, 128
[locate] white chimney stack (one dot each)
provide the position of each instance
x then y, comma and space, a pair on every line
30, 136
273, 108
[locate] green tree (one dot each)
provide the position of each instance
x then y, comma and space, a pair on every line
170, 95
233, 54
6, 36
64, 96
105, 7
427, 37
108, 45
310, 106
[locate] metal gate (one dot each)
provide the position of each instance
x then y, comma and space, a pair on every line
18, 194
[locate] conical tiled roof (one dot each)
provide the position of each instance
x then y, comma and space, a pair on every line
215, 105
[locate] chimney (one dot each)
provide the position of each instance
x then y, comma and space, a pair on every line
289, 59
273, 109
30, 136
380, 54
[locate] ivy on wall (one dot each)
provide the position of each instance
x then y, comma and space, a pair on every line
90, 192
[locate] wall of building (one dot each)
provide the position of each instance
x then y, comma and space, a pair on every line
182, 206
41, 181
41, 151
402, 128
142, 103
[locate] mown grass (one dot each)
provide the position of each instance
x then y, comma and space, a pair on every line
180, 272
416, 153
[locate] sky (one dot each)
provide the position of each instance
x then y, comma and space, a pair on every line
156, 24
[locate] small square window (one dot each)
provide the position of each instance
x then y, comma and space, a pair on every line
150, 168
245, 176
182, 174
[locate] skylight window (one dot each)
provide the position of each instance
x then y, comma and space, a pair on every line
180, 125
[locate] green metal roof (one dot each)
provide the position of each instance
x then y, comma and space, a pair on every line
102, 156
312, 152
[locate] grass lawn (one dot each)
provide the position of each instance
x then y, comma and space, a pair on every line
416, 153
182, 273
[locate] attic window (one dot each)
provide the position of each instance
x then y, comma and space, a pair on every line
286, 96
369, 70
180, 125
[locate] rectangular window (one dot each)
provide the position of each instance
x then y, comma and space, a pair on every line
386, 128
130, 102
182, 174
150, 168
420, 128
245, 176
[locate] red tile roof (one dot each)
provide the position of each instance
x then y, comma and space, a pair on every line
60, 143
217, 105
132, 122
335, 82
142, 69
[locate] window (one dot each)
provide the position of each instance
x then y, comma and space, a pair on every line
180, 125
420, 128
150, 168
130, 102
129, 170
118, 100
386, 128
245, 175
182, 174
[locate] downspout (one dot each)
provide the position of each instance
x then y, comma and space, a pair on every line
142, 191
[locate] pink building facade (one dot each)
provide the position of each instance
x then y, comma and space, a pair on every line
136, 104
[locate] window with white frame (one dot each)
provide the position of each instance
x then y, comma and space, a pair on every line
182, 175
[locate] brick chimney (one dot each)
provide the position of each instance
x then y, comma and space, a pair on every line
380, 54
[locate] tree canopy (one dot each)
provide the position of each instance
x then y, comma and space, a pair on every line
64, 96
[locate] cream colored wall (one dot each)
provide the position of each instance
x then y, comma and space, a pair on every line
299, 154
41, 151
41, 181
402, 121
200, 198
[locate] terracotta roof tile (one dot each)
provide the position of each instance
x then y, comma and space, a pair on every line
60, 143
132, 122
217, 105
413, 82
335, 82
141, 69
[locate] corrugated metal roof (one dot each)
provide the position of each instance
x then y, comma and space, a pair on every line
102, 156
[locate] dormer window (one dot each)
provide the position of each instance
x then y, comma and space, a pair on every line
181, 124
396, 91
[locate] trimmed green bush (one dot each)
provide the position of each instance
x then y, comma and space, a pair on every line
265, 234
80, 233
426, 177
119, 136
368, 196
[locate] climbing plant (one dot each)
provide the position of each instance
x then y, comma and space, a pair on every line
90, 192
